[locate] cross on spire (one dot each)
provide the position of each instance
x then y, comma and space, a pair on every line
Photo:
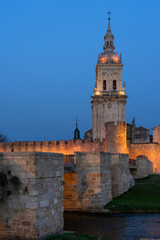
109, 14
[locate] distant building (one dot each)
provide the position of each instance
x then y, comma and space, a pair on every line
137, 134
156, 134
88, 135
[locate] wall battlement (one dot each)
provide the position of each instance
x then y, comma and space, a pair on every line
115, 142
62, 146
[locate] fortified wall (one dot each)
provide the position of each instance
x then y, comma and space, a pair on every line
31, 195
66, 147
115, 142
150, 150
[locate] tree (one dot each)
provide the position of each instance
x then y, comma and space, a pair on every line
3, 138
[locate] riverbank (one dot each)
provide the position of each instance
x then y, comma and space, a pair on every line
71, 236
144, 197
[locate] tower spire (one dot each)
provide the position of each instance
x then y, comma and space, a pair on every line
109, 25
108, 38
76, 131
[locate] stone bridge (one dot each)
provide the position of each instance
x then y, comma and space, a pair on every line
51, 182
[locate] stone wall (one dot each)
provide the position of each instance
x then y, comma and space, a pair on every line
93, 180
71, 201
150, 167
122, 179
115, 137
150, 150
35, 208
106, 109
89, 189
99, 176
115, 143
156, 134
65, 147
144, 167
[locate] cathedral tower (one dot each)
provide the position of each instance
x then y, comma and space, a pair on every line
109, 97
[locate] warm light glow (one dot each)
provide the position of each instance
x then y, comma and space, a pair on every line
98, 93
115, 58
121, 92
103, 59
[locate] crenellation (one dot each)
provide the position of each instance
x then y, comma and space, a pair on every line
62, 143
70, 141
117, 134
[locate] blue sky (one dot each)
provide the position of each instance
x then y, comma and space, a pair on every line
48, 55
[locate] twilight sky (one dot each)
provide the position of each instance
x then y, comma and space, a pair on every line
48, 55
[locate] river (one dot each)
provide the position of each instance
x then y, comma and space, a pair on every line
122, 226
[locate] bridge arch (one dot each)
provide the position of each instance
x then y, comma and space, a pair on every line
142, 157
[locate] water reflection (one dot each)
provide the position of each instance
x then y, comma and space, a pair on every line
126, 226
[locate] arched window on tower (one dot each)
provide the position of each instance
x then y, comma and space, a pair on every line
104, 84
114, 85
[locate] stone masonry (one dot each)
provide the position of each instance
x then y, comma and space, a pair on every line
121, 177
98, 178
89, 189
144, 167
35, 210
156, 134
151, 150
115, 137
93, 180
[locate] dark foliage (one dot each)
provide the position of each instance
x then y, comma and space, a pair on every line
8, 185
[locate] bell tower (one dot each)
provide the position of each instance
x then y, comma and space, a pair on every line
109, 96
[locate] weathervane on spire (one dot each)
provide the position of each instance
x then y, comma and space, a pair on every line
109, 14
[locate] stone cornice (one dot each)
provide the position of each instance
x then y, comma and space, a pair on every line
101, 99
109, 66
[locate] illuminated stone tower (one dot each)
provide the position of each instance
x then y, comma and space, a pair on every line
109, 97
